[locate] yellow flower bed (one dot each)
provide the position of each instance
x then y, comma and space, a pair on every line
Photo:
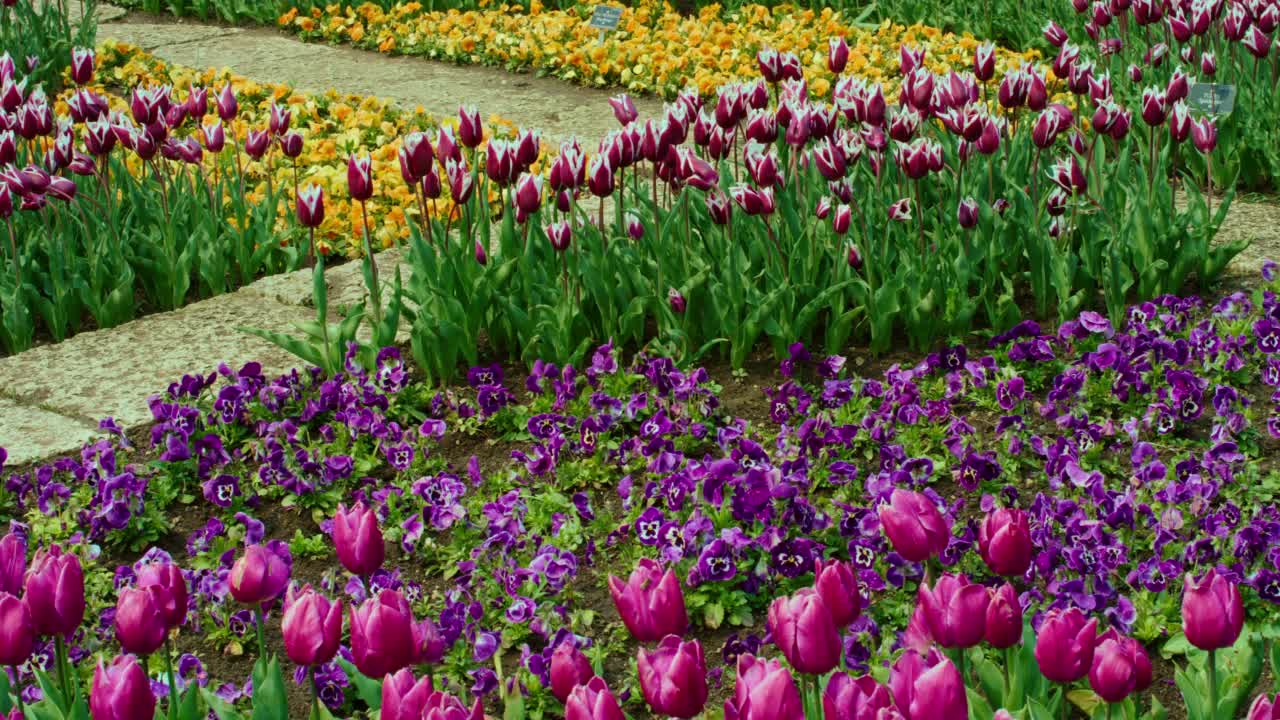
654, 50
333, 126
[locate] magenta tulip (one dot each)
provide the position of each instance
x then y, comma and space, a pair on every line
967, 213
592, 701
360, 177
257, 144
1003, 626
55, 592
227, 105
624, 109
1204, 134
763, 690
17, 631
261, 574
168, 577
1064, 645
1212, 611
673, 677
955, 610
312, 627
569, 669
382, 639
928, 688
650, 603
13, 550
913, 524
82, 66
140, 619
121, 691
360, 547
802, 627
1264, 708
1004, 540
860, 698
403, 697
470, 128
310, 206
837, 54
837, 583
1120, 667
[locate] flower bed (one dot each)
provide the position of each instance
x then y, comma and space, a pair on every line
655, 49
1091, 467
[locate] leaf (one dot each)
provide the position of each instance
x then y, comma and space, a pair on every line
269, 701
1086, 700
979, 708
369, 690
713, 615
220, 707
515, 707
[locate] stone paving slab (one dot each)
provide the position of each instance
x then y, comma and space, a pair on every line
32, 433
112, 372
557, 108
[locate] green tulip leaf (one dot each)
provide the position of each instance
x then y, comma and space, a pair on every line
269, 701
220, 707
369, 690
979, 708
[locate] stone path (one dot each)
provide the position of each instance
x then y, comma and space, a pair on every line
557, 108
51, 397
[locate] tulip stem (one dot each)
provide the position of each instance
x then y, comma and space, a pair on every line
17, 693
315, 692
64, 667
173, 686
259, 621
1213, 685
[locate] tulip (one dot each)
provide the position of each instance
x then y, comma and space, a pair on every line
260, 574
1055, 35
837, 583
482, 257
854, 258
360, 177
569, 669
1120, 667
311, 206
382, 634
955, 610
841, 219
763, 690
291, 145
215, 137
804, 629
1003, 622
1046, 128
676, 300
673, 677
862, 698
837, 54
278, 120
6, 202
358, 540
928, 688
227, 105
121, 691
1179, 123
461, 185
560, 234
443, 706
984, 61
899, 211
82, 65
1004, 540
418, 155
912, 522
140, 619
753, 201
312, 627
624, 109
167, 577
1204, 134
55, 592
17, 631
403, 697
1212, 611
718, 207
13, 551
635, 226
910, 58
470, 129
592, 701
1064, 645
500, 162
600, 177
967, 213
1257, 42
257, 144
651, 603
1264, 708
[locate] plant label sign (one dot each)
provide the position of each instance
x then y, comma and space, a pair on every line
605, 18
1212, 99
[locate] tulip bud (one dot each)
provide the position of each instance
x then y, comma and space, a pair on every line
13, 550
854, 258
312, 627
6, 202
569, 669
482, 258
140, 619
600, 177
360, 177
984, 61
82, 66
1257, 43
560, 234
928, 687
403, 697
1264, 708
358, 539
121, 691
1004, 540
167, 577
257, 144
382, 637
1204, 135
215, 138
1120, 667
310, 206
227, 106
676, 301
1179, 123
624, 109
763, 690
592, 701
803, 628
912, 522
17, 631
55, 592
1003, 626
955, 610
1055, 35
1212, 611
279, 119
1208, 64
837, 584
1064, 645
261, 574
673, 677
470, 129
841, 219
718, 207
910, 58
650, 602
837, 54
